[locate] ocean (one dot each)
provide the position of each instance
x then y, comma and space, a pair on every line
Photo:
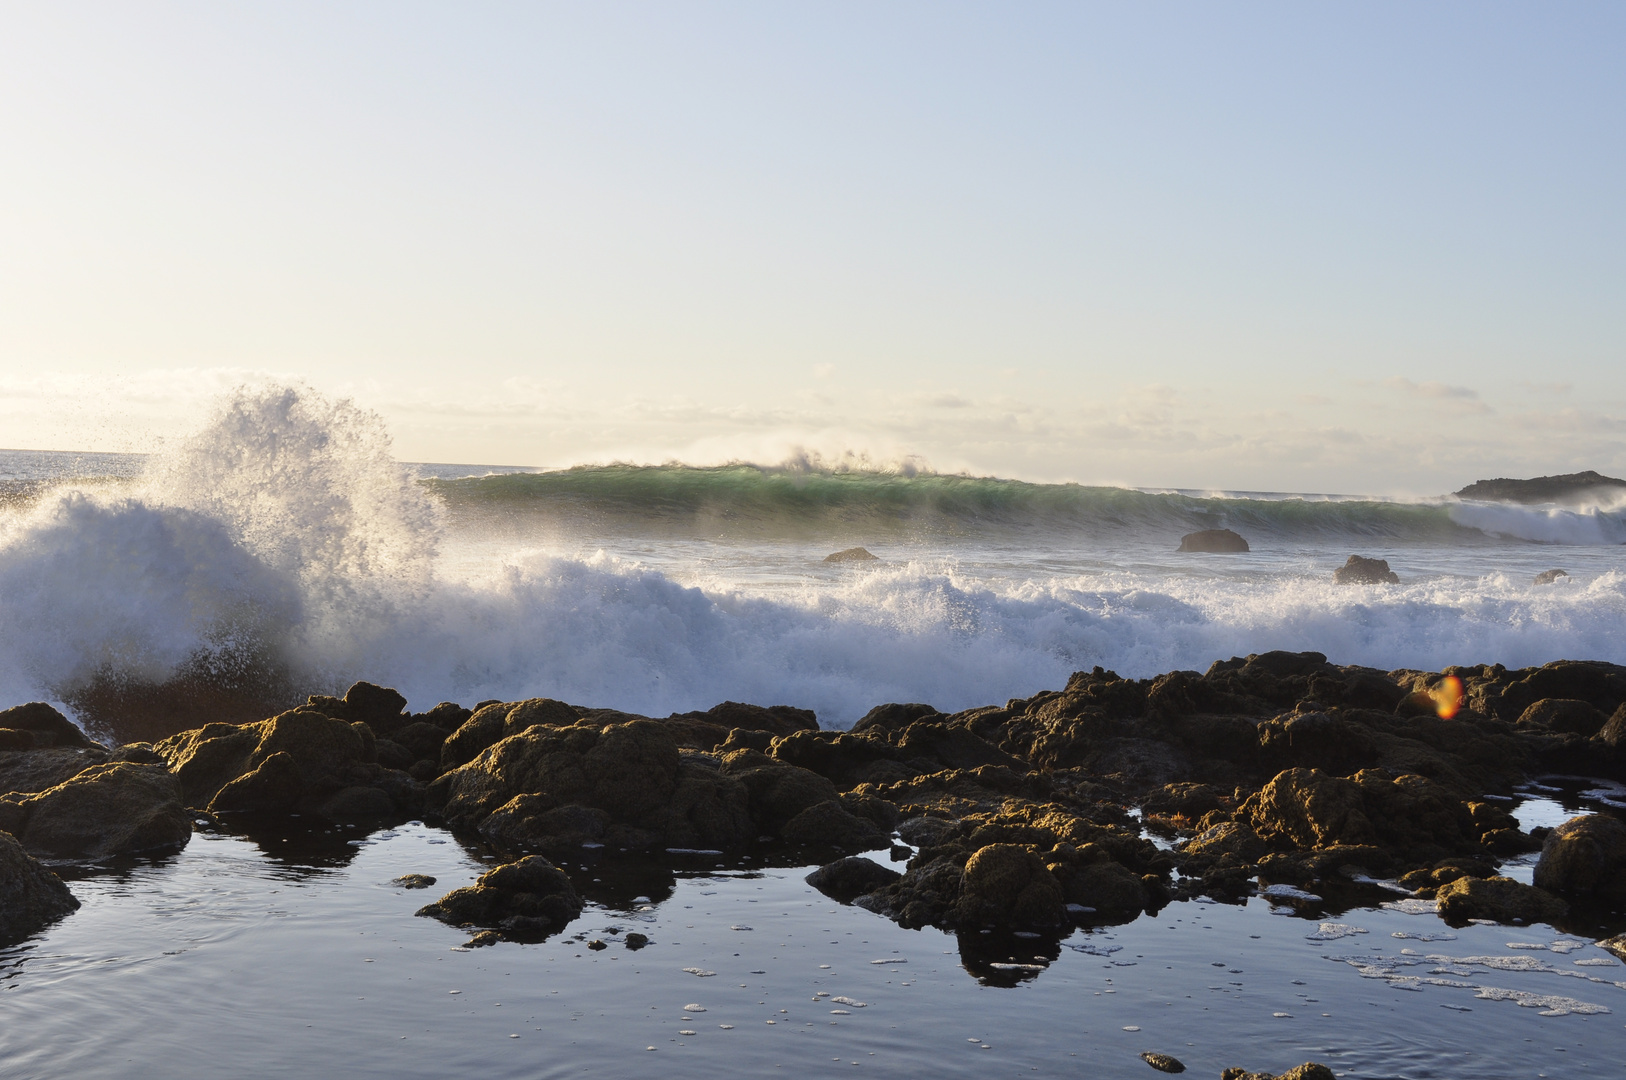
281, 550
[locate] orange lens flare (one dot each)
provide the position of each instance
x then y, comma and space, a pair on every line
1447, 695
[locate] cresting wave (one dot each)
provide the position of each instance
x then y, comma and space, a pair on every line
795, 501
282, 551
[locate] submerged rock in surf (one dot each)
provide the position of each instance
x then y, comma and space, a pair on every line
1310, 1070
853, 554
524, 901
1360, 570
1547, 577
31, 896
1162, 1062
110, 809
1213, 540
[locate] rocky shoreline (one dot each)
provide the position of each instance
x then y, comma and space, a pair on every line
1278, 772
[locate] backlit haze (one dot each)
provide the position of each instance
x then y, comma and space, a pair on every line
1375, 248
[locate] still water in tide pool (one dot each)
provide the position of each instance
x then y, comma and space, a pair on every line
293, 954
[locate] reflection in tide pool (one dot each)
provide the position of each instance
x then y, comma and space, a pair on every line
295, 953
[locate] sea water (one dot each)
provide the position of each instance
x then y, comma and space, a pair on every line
282, 535
294, 952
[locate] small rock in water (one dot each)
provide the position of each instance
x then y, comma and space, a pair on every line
596, 945
413, 881
1213, 540
1162, 1062
854, 554
1360, 570
1547, 577
1310, 1070
635, 940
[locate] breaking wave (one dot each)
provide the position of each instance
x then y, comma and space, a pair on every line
282, 550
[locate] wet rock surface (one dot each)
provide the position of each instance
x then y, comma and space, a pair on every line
525, 900
31, 896
110, 809
1213, 540
1308, 1071
1272, 769
1360, 570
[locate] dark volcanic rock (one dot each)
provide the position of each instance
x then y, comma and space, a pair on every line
1585, 859
855, 554
30, 895
1216, 540
1564, 714
45, 726
1360, 570
1541, 488
525, 900
849, 878
297, 761
826, 824
29, 771
1499, 898
1310, 1070
1547, 577
1162, 1062
109, 809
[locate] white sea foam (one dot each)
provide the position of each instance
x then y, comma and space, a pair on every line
285, 531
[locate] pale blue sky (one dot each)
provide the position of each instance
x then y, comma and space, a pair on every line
1307, 247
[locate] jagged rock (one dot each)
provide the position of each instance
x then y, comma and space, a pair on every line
1616, 945
1548, 577
1190, 801
524, 900
47, 727
1308, 1071
1090, 879
849, 878
927, 831
856, 554
1162, 1062
274, 786
1499, 898
846, 760
1585, 859
1360, 570
1564, 714
31, 897
109, 809
1008, 885
777, 792
1614, 732
1228, 838
29, 771
826, 824
413, 881
229, 767
1306, 808
1213, 540
1316, 740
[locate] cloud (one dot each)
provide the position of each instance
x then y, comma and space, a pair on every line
949, 401
1431, 389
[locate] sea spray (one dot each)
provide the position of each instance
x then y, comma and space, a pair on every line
281, 550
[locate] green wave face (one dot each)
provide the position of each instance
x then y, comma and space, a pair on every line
795, 503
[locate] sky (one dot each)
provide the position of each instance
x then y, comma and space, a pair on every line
1358, 248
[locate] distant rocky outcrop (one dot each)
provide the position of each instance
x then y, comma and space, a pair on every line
1541, 489
1360, 570
853, 554
1216, 540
